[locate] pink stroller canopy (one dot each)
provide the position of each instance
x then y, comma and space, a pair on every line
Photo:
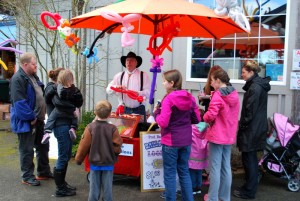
285, 129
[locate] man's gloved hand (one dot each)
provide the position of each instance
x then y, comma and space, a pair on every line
120, 110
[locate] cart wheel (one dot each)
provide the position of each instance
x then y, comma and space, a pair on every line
294, 185
88, 177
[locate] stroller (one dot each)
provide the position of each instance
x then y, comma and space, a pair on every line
282, 152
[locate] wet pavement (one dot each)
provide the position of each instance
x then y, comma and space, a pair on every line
124, 188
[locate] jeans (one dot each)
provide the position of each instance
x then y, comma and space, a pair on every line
220, 170
196, 177
64, 143
250, 163
176, 158
28, 141
101, 180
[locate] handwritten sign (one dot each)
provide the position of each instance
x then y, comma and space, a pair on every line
152, 175
295, 81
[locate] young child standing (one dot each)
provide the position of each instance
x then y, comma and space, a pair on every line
222, 116
199, 156
101, 140
175, 116
67, 102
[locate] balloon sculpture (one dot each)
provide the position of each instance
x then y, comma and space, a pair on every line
167, 35
232, 9
91, 56
130, 93
3, 65
126, 39
62, 25
157, 63
8, 49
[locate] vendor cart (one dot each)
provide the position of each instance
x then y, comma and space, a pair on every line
129, 126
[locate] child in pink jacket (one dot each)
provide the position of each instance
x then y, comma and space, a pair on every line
199, 156
222, 117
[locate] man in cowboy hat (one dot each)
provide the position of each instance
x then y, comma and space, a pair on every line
131, 79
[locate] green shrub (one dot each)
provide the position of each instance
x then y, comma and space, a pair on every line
87, 117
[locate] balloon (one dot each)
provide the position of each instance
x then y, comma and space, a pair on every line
71, 40
131, 94
91, 54
10, 48
167, 34
55, 16
126, 39
3, 65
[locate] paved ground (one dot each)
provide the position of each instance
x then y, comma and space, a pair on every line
11, 189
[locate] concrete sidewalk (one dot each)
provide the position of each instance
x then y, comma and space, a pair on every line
11, 189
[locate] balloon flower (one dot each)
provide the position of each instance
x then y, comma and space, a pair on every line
157, 63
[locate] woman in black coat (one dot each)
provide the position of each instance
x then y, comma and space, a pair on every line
253, 126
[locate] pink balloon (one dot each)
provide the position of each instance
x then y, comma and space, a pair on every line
126, 39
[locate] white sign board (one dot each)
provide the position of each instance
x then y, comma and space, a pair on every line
127, 150
296, 59
152, 174
295, 80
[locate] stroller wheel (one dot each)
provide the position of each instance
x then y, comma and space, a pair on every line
294, 185
88, 177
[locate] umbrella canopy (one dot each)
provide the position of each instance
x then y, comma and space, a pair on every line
195, 20
269, 40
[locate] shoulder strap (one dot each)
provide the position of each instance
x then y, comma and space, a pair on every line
142, 80
121, 80
122, 75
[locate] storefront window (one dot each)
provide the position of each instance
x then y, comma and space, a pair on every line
265, 44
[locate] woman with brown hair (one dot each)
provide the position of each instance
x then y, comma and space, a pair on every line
203, 100
253, 126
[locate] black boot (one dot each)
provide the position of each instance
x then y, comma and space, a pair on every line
73, 188
61, 189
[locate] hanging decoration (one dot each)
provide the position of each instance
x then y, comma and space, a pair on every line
234, 11
92, 56
10, 48
167, 35
126, 39
62, 25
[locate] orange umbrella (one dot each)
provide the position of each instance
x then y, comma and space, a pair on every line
195, 20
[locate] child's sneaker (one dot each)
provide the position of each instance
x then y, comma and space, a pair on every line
72, 133
46, 138
196, 191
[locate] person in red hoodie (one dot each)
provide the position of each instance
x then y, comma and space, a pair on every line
175, 116
222, 117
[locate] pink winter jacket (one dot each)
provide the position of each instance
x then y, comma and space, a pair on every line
199, 150
222, 116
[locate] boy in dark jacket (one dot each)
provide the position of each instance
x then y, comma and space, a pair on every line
101, 140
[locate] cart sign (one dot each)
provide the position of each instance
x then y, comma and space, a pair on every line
295, 80
127, 150
296, 59
152, 175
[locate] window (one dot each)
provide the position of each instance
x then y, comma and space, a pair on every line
265, 44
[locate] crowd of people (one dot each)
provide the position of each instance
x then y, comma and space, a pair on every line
192, 139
